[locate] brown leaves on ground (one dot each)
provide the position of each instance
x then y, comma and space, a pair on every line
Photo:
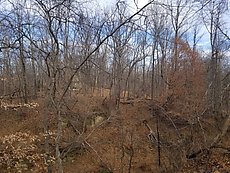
121, 139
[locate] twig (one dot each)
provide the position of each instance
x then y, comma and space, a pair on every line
130, 152
198, 119
216, 140
165, 114
158, 142
103, 122
151, 135
74, 128
100, 158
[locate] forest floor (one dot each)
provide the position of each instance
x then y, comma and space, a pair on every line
97, 138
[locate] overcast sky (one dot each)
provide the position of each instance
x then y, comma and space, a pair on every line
108, 3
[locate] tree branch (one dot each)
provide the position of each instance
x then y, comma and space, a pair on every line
99, 45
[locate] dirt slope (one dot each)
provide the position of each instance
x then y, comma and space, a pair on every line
122, 142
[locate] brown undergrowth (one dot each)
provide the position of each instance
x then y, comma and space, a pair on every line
99, 138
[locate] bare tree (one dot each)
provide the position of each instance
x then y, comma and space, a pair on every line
212, 15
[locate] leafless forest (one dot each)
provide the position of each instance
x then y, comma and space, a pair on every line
116, 89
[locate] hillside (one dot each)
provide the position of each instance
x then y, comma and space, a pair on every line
123, 140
